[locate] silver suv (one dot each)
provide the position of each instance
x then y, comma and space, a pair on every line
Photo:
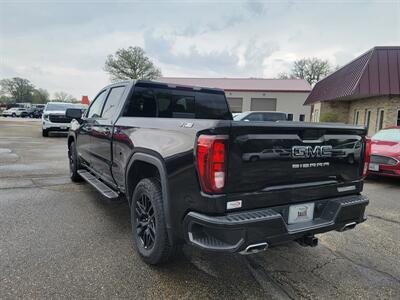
54, 118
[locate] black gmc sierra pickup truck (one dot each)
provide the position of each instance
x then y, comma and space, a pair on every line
192, 174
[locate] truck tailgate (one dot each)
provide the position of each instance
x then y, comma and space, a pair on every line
274, 155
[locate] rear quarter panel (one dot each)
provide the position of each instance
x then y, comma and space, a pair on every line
173, 142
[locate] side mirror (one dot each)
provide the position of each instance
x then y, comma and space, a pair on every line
73, 113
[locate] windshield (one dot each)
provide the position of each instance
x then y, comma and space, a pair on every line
388, 135
63, 106
239, 116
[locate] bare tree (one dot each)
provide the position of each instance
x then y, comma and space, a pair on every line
284, 75
19, 89
40, 96
64, 97
300, 67
131, 63
311, 69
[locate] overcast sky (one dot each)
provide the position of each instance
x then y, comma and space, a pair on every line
62, 45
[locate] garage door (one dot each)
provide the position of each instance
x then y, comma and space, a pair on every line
235, 104
263, 104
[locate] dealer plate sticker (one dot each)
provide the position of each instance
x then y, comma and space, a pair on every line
374, 167
301, 213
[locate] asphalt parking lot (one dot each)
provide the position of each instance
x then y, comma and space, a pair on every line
62, 240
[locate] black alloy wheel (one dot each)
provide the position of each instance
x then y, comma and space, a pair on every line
145, 221
149, 230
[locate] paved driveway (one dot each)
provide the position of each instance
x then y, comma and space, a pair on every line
60, 239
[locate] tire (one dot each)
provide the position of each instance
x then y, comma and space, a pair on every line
254, 158
45, 133
74, 164
13, 115
149, 232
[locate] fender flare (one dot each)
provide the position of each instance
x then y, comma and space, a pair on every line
162, 170
71, 136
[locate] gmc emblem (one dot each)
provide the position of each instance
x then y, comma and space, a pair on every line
311, 152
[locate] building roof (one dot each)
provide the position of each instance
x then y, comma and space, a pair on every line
243, 84
374, 73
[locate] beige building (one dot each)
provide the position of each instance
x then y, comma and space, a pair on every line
364, 92
252, 94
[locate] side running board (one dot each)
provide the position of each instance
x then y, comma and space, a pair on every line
98, 185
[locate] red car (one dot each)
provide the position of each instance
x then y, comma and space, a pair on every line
385, 152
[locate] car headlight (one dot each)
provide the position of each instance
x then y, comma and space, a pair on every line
46, 117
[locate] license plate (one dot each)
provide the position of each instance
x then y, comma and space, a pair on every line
64, 127
374, 167
301, 213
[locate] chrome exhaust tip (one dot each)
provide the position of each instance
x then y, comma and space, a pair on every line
255, 248
348, 226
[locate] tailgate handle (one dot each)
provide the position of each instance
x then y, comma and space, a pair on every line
313, 141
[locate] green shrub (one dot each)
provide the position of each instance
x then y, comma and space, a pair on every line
329, 117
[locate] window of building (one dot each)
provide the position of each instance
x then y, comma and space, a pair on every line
112, 102
398, 118
302, 118
356, 117
97, 105
381, 116
316, 115
367, 118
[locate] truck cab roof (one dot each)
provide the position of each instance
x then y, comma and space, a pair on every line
155, 83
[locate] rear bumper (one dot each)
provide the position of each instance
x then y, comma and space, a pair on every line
234, 232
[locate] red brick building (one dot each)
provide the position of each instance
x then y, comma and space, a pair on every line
366, 91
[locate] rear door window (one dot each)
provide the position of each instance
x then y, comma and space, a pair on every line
183, 106
141, 104
175, 103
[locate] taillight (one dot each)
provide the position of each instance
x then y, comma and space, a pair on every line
211, 162
367, 157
